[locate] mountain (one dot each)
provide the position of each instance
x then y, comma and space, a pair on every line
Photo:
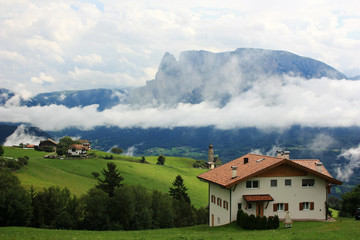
14, 135
197, 76
105, 98
205, 76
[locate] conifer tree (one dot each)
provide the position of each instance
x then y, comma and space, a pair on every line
178, 192
112, 179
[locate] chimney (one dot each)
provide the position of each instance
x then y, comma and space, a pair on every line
283, 154
319, 166
234, 171
246, 160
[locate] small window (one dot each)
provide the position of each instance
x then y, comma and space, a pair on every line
288, 182
252, 184
219, 201
273, 183
306, 206
308, 182
280, 207
249, 206
213, 198
239, 206
226, 205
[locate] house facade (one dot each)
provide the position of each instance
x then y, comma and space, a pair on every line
77, 150
268, 186
48, 143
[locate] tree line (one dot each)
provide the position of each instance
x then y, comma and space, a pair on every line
109, 205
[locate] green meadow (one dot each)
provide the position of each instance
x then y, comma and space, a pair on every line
75, 174
341, 229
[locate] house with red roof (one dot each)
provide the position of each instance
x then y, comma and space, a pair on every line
77, 150
268, 186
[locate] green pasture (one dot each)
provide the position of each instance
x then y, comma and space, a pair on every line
341, 229
75, 174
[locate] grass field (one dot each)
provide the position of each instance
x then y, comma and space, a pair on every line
341, 229
75, 174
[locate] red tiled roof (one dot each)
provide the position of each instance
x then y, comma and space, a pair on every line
78, 147
258, 198
258, 164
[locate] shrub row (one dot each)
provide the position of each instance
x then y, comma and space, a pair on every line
247, 221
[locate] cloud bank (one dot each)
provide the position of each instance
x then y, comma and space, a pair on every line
65, 45
352, 156
279, 103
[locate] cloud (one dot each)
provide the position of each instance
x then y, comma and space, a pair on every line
21, 136
321, 141
352, 155
42, 78
123, 38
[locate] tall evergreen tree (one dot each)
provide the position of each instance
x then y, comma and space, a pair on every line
178, 192
112, 179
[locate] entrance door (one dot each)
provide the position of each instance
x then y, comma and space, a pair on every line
212, 220
260, 209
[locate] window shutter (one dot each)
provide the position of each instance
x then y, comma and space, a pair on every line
286, 207
301, 206
275, 207
312, 206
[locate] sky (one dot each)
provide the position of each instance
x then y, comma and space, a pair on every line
84, 44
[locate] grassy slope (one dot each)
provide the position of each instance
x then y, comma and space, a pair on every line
341, 229
75, 174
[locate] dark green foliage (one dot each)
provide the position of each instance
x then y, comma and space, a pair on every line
200, 164
350, 202
44, 149
161, 160
52, 205
63, 145
334, 203
15, 202
143, 160
251, 222
96, 210
95, 174
117, 150
178, 192
112, 179
163, 212
14, 164
1, 150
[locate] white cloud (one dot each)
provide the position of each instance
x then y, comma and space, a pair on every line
42, 78
352, 155
274, 104
21, 136
57, 36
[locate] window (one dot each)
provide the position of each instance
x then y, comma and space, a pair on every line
308, 182
219, 201
252, 184
239, 206
213, 198
306, 206
226, 205
273, 183
288, 182
280, 207
249, 206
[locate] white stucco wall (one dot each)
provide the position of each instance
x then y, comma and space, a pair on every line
292, 195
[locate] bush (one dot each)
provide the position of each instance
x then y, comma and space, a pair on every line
251, 222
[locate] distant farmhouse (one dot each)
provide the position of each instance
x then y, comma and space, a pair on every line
85, 143
77, 150
48, 143
268, 186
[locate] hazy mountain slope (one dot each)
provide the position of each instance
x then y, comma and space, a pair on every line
206, 76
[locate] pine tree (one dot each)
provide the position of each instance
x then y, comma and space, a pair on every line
179, 190
112, 179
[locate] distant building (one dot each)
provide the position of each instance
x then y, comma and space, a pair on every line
210, 163
48, 143
85, 143
77, 150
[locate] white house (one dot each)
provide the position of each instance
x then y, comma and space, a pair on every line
268, 186
77, 150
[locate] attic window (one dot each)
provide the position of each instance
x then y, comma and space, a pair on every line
246, 160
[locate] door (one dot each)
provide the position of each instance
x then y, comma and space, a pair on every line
260, 209
212, 220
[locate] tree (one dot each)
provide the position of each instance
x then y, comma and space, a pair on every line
117, 150
179, 190
112, 179
1, 150
161, 160
64, 144
15, 202
350, 202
